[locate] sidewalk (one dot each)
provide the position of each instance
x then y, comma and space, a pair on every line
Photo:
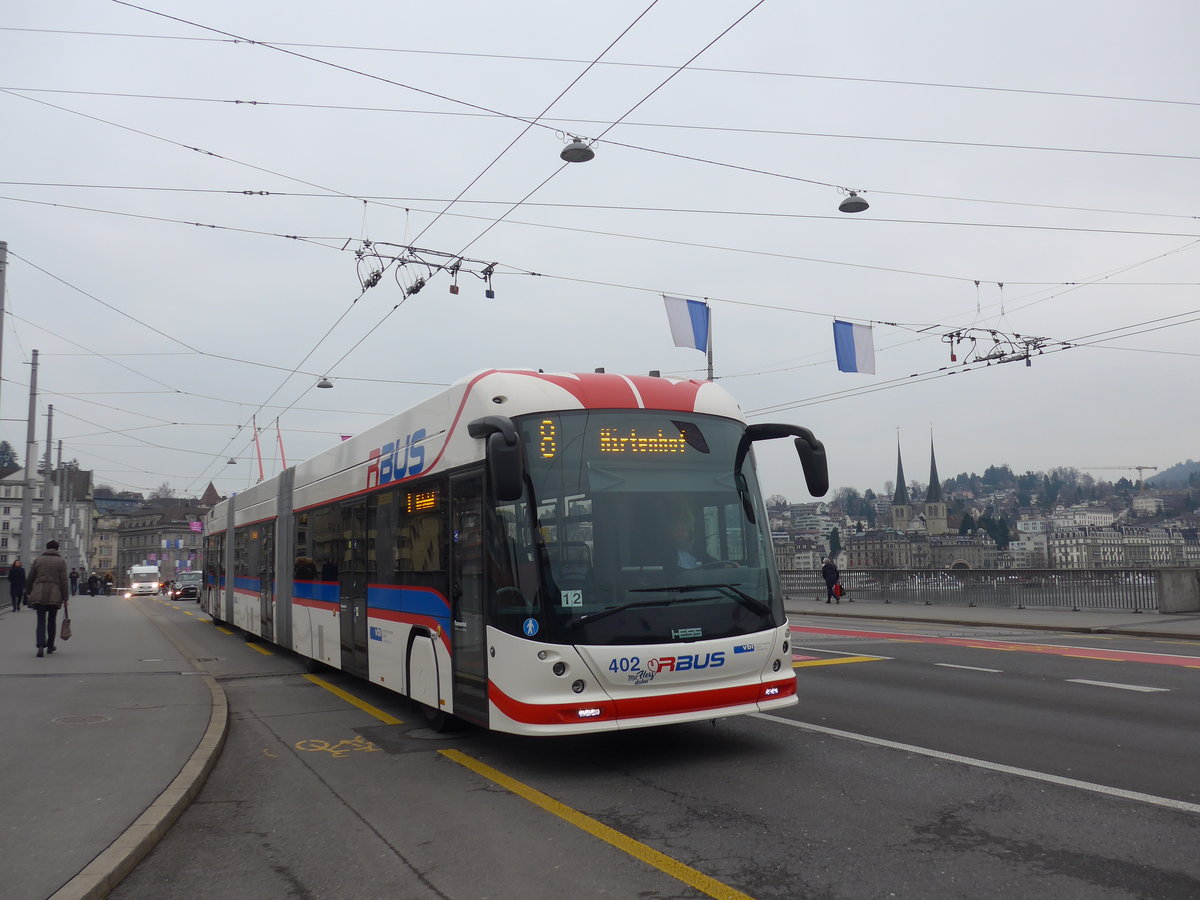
1184, 626
106, 742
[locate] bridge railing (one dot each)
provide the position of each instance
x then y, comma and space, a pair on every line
1129, 589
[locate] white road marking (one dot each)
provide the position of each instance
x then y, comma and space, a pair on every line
1136, 796
969, 668
1123, 687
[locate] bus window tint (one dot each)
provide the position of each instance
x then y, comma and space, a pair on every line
628, 506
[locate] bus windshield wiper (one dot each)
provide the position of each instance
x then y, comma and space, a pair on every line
665, 601
751, 603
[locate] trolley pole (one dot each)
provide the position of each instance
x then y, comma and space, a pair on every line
30, 468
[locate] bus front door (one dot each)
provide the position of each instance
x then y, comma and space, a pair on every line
352, 582
469, 636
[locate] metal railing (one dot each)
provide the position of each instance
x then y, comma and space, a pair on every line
1130, 589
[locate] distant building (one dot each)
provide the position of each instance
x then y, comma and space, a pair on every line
1146, 506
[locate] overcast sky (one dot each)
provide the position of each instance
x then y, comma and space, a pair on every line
1031, 169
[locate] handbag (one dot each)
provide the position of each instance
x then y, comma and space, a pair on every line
838, 591
64, 630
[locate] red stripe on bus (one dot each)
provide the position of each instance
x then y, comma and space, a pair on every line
391, 615
598, 391
659, 393
315, 604
638, 707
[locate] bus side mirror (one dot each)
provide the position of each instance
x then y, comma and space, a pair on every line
813, 462
810, 450
504, 460
504, 468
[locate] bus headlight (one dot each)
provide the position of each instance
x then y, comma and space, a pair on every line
578, 685
559, 668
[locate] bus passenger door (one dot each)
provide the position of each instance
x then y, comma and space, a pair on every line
266, 580
469, 659
352, 594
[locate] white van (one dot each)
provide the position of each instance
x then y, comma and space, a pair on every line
143, 580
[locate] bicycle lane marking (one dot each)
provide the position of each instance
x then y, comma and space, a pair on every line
1161, 659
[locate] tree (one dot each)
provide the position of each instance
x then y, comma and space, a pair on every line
998, 475
8, 456
163, 492
777, 503
967, 525
835, 544
997, 529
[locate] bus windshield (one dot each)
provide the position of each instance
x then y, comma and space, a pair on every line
633, 531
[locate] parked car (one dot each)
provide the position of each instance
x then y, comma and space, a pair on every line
187, 586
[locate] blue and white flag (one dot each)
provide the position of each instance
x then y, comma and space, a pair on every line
855, 346
689, 322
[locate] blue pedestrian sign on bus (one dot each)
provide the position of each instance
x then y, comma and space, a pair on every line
530, 627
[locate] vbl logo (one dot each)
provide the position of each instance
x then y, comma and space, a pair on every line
396, 460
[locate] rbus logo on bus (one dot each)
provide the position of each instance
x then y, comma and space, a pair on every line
684, 663
396, 459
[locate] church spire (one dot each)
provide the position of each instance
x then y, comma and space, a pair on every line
934, 494
901, 496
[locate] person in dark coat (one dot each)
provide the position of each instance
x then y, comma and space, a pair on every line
47, 589
830, 573
74, 579
93, 584
16, 583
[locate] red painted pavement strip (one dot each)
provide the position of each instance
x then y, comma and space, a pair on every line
1161, 659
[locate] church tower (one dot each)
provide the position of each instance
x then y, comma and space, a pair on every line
901, 504
935, 503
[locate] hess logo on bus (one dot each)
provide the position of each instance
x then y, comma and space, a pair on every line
396, 459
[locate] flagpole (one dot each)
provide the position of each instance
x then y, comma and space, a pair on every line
710, 330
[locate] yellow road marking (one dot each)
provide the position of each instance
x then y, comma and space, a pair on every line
261, 649
188, 613
836, 662
638, 850
224, 630
385, 718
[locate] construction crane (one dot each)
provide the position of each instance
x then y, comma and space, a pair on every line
1138, 469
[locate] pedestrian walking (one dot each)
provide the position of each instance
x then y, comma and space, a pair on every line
93, 584
16, 583
47, 589
74, 579
108, 583
830, 573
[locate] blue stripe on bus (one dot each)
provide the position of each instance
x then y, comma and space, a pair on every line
322, 591
415, 601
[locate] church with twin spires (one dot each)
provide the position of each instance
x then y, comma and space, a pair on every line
918, 535
929, 516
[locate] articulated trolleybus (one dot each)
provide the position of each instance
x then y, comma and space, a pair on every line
534, 553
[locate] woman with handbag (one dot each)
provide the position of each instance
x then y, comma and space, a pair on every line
829, 571
46, 590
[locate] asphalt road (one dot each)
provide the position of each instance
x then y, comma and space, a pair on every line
937, 764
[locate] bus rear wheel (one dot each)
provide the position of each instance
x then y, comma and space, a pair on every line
437, 720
